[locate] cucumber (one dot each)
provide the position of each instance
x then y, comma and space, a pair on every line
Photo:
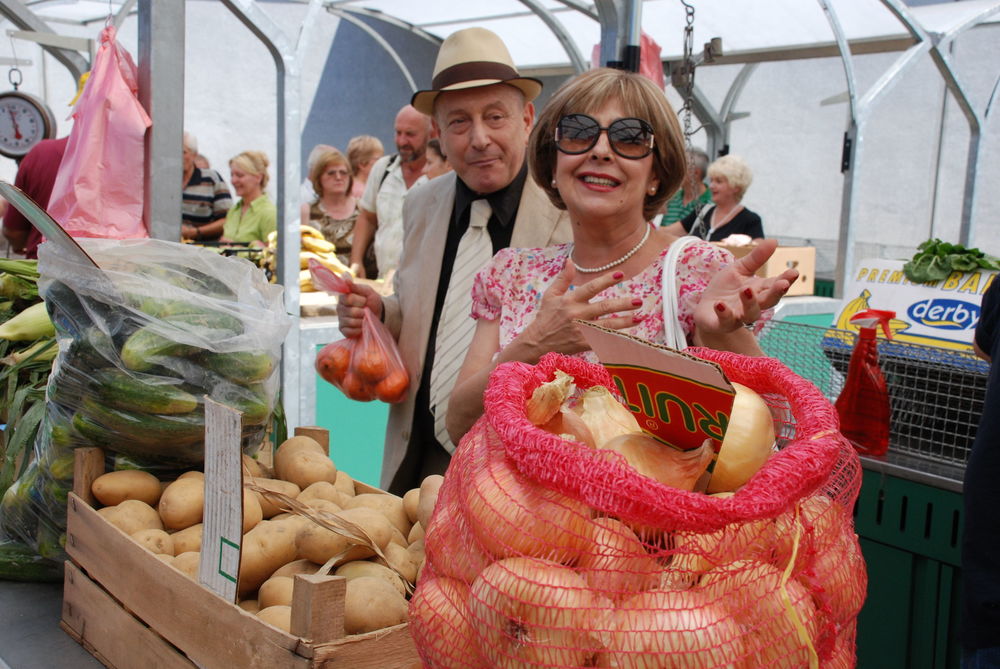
243, 367
19, 563
175, 438
144, 346
252, 401
122, 390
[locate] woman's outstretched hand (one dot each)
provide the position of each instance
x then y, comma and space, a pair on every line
736, 296
553, 328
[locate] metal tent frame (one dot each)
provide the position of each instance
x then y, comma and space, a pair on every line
619, 22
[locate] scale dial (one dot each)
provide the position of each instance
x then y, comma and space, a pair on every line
24, 122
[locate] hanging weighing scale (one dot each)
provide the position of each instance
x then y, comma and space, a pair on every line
25, 120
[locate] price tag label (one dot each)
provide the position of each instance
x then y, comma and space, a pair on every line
219, 567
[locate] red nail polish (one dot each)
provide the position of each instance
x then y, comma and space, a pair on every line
618, 275
720, 307
637, 302
638, 318
747, 293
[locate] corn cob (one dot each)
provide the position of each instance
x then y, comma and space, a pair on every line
32, 323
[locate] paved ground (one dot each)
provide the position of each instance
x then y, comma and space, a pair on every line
30, 637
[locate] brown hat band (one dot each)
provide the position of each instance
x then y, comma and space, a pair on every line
476, 70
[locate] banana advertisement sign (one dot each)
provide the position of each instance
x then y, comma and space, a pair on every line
941, 313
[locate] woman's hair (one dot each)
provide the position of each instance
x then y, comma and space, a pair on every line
734, 170
361, 149
638, 97
323, 163
435, 146
252, 162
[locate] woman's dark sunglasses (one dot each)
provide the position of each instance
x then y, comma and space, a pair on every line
630, 138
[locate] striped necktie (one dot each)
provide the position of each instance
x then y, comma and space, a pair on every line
455, 328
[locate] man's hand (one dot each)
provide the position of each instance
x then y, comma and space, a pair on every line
351, 307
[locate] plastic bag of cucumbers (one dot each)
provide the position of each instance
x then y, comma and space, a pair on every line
142, 342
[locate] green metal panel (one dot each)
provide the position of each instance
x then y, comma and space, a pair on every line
911, 540
913, 516
884, 622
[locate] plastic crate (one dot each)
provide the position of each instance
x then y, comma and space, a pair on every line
936, 395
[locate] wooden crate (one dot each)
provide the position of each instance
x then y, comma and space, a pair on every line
129, 609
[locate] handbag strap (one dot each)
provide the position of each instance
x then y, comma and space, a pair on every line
673, 333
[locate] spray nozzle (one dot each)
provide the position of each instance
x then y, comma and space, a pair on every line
872, 318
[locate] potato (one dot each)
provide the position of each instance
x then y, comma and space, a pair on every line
255, 468
305, 467
193, 474
294, 446
249, 605
165, 557
269, 507
428, 497
278, 616
155, 541
187, 564
252, 512
131, 516
266, 547
276, 591
388, 505
188, 539
116, 487
401, 560
345, 484
320, 544
410, 502
323, 490
371, 604
416, 533
364, 568
297, 567
183, 503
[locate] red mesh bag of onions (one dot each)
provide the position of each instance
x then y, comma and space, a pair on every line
545, 550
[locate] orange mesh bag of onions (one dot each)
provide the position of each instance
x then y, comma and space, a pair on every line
544, 551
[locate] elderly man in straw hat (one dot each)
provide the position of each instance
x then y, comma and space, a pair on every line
482, 108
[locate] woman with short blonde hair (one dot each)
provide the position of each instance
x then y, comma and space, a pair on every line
254, 215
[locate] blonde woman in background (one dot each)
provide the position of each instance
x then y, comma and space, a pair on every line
254, 215
333, 209
729, 177
362, 152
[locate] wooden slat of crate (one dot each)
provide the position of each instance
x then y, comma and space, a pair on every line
117, 639
210, 631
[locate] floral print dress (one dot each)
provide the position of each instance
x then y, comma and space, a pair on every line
510, 288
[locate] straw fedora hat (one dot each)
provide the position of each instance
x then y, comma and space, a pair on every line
470, 58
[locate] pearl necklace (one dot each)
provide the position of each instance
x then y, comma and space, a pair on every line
613, 263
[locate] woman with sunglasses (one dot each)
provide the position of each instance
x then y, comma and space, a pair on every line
335, 208
608, 149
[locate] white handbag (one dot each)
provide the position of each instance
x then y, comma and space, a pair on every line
673, 333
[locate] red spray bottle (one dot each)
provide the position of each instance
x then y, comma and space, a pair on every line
863, 404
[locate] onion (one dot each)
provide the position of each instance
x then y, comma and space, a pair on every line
751, 590
535, 613
617, 564
668, 465
568, 425
604, 415
440, 625
748, 442
680, 629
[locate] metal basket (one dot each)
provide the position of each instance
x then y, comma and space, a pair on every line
936, 395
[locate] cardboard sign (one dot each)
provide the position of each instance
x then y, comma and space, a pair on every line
941, 313
677, 398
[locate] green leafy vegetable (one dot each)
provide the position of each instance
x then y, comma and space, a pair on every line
936, 259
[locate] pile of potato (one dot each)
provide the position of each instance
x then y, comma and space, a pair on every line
166, 519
